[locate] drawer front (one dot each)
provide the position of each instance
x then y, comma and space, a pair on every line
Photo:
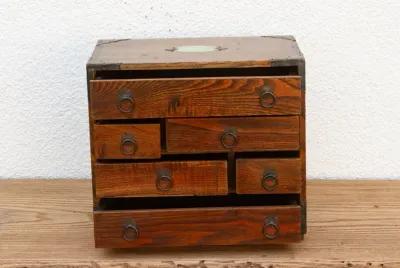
184, 178
197, 226
261, 176
194, 97
232, 134
126, 141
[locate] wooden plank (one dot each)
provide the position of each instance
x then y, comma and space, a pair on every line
135, 141
303, 152
268, 176
236, 134
184, 178
352, 223
229, 52
193, 97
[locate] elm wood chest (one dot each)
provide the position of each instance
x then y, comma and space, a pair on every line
197, 141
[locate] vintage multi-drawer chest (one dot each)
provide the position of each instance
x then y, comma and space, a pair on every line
197, 141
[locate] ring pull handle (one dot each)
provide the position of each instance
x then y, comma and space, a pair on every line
229, 138
164, 180
130, 230
267, 97
125, 101
269, 180
129, 145
271, 227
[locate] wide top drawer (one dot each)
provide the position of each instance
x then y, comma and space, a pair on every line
194, 97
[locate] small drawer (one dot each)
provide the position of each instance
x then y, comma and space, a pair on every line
185, 178
232, 134
275, 176
126, 141
198, 226
195, 97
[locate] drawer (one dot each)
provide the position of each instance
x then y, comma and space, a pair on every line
185, 178
197, 226
232, 134
126, 141
275, 176
194, 97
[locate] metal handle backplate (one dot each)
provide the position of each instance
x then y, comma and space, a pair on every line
125, 101
130, 230
269, 180
129, 145
164, 180
229, 138
271, 227
267, 97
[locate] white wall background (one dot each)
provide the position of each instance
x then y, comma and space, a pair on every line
352, 50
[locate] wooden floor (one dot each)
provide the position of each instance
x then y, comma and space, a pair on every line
351, 224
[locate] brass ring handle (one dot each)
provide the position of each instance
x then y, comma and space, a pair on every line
130, 231
269, 180
129, 145
229, 138
164, 180
125, 101
267, 97
271, 227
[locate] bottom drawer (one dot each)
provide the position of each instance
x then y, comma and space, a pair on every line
197, 226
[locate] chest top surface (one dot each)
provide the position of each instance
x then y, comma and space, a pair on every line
195, 53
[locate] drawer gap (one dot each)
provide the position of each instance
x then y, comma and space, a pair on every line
160, 120
269, 154
231, 200
231, 172
169, 157
128, 121
163, 135
206, 72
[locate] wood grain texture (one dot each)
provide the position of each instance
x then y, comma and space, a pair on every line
48, 223
252, 134
194, 97
90, 75
126, 141
250, 173
140, 179
234, 52
197, 226
303, 151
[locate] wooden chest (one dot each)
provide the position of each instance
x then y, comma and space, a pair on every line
197, 141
